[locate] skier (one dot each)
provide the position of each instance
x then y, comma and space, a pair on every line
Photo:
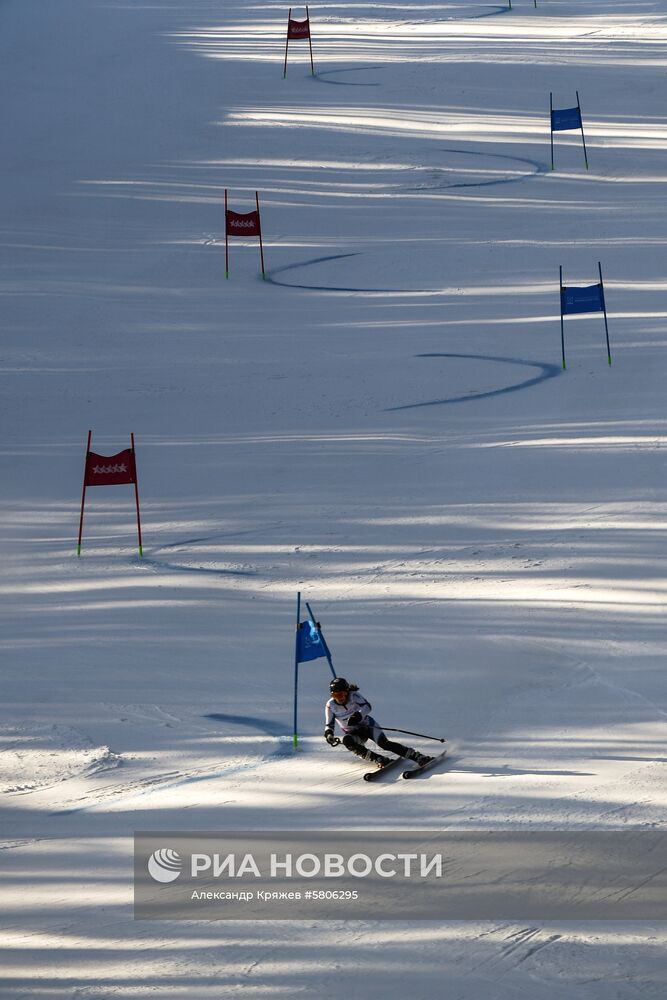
349, 708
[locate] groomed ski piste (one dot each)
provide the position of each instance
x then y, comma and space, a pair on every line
383, 424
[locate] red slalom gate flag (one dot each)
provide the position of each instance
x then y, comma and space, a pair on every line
297, 30
243, 224
110, 470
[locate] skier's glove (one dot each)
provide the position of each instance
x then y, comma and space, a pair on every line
330, 738
354, 719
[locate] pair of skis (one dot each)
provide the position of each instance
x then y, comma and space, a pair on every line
413, 772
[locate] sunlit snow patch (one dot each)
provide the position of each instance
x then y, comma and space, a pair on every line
33, 757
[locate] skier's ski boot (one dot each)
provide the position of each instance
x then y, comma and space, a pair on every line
420, 759
377, 758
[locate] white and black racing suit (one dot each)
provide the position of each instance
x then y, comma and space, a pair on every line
358, 726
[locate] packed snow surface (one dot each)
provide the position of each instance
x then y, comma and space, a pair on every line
384, 424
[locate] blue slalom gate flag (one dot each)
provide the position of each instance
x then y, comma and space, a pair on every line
586, 299
565, 119
582, 299
310, 643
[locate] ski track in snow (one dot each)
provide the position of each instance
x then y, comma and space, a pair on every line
319, 76
547, 371
537, 166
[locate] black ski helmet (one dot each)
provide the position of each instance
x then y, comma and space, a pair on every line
339, 684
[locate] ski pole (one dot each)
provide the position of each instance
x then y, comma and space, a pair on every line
408, 732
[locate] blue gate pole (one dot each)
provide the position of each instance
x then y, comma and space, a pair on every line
583, 137
551, 126
604, 310
562, 330
296, 666
319, 632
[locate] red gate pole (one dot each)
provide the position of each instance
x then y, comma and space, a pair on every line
310, 42
136, 495
259, 226
226, 240
287, 43
83, 495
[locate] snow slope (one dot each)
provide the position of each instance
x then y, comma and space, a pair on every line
383, 424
